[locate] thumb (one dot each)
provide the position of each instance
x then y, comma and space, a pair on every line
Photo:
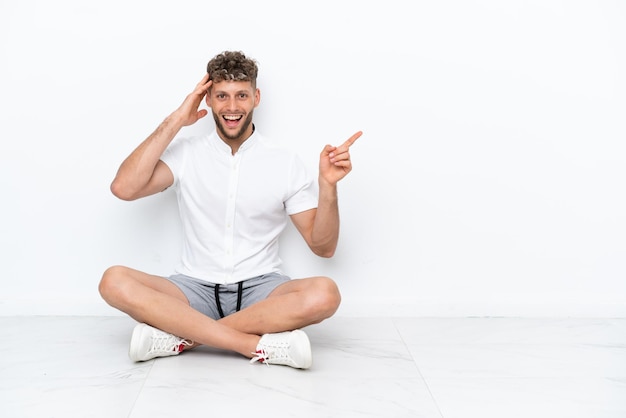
328, 149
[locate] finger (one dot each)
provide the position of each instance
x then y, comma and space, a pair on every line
339, 156
204, 79
204, 84
328, 149
345, 164
352, 139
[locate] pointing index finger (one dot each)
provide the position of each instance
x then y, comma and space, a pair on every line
352, 139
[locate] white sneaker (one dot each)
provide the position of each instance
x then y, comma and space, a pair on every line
148, 342
290, 348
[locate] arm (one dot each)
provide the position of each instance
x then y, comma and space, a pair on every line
320, 227
143, 173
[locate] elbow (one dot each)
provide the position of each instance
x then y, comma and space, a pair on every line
324, 248
324, 252
121, 192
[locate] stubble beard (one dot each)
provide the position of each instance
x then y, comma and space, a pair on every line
236, 136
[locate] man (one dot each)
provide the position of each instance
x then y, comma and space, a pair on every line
234, 192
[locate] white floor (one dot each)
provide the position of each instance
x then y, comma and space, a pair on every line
371, 367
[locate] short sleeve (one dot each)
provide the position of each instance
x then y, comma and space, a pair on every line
303, 191
173, 156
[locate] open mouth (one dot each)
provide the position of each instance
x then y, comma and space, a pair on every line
232, 120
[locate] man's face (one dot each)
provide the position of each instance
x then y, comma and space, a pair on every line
233, 103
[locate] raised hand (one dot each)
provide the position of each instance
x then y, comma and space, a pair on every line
188, 111
335, 162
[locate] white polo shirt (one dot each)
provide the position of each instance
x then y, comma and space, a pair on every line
234, 207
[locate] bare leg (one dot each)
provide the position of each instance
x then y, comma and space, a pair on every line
158, 302
292, 305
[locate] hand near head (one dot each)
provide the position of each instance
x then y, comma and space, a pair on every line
188, 111
335, 162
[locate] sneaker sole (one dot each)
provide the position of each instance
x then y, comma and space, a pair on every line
137, 337
305, 358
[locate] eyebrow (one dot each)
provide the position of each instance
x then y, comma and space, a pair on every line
236, 92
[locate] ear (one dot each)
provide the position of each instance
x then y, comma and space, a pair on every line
257, 97
207, 98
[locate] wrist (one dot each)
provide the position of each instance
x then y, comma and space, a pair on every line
174, 120
325, 183
327, 188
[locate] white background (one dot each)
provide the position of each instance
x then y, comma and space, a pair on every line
490, 178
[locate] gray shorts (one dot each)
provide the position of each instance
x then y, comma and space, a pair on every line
203, 297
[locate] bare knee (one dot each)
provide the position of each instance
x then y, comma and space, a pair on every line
323, 299
112, 284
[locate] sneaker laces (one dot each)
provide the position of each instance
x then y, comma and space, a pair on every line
260, 356
267, 354
163, 342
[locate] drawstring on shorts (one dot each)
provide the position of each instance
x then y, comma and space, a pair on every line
217, 298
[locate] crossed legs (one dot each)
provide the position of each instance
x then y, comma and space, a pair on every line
156, 301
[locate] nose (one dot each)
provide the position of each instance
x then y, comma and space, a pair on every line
231, 104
